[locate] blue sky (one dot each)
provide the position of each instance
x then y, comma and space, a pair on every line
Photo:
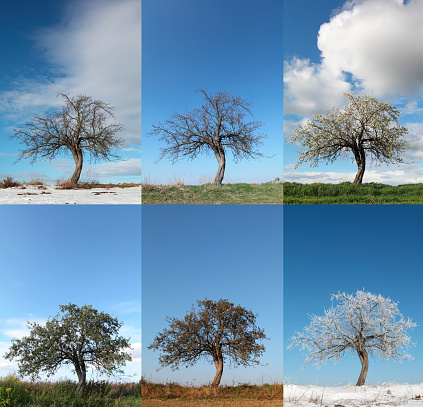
87, 47
219, 46
56, 254
333, 47
347, 248
191, 252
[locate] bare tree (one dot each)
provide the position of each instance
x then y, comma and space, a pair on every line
81, 125
363, 324
364, 126
217, 126
218, 330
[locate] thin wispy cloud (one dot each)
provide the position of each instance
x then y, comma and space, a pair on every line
95, 50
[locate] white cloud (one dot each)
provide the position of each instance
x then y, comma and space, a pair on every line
415, 139
131, 167
290, 126
375, 42
404, 174
309, 87
128, 330
95, 50
17, 327
136, 353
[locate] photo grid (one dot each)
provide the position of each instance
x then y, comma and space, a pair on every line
268, 252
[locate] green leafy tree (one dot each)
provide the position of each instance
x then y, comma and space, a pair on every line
217, 331
364, 127
80, 126
81, 336
217, 126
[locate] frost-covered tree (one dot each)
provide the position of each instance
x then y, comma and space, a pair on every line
217, 331
218, 126
364, 128
364, 324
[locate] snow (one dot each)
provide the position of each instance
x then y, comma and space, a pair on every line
48, 194
387, 394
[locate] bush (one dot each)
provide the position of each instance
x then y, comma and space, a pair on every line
9, 182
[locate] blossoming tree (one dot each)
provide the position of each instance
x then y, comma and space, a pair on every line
365, 127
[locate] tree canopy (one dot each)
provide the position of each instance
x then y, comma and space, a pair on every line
215, 127
217, 331
81, 336
364, 127
80, 126
363, 324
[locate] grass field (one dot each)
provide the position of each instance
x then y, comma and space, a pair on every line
267, 193
173, 394
63, 393
349, 193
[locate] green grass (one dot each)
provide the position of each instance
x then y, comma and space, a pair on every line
267, 193
349, 193
63, 393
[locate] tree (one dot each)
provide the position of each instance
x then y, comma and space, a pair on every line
364, 126
217, 126
82, 336
218, 330
363, 323
79, 126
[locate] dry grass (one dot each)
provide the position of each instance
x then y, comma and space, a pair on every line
231, 395
212, 402
67, 184
35, 182
7, 181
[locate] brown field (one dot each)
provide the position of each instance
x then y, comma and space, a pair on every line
174, 394
240, 402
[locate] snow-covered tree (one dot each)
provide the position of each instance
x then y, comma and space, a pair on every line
365, 324
365, 128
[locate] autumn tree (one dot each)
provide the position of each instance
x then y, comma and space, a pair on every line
81, 336
217, 331
82, 125
364, 324
364, 128
217, 126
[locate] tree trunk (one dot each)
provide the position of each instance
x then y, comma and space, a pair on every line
220, 157
78, 158
364, 359
219, 371
360, 158
82, 376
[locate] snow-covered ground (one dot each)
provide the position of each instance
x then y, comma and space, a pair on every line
48, 194
348, 396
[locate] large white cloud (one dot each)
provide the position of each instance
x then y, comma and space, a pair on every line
379, 42
96, 51
310, 87
376, 42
